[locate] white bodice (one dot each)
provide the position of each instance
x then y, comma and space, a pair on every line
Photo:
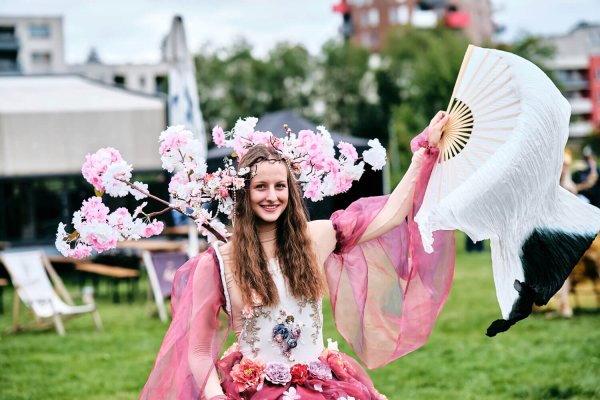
290, 332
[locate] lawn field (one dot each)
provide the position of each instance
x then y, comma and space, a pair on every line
539, 358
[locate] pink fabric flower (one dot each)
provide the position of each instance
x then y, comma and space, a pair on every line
278, 373
337, 364
248, 374
319, 370
218, 136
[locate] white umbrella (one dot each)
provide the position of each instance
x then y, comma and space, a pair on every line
184, 105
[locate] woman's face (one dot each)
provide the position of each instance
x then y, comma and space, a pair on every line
269, 192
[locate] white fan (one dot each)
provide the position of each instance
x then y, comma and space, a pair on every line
483, 112
497, 177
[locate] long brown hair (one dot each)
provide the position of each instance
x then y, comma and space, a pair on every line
294, 250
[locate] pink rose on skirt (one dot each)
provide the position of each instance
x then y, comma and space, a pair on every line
337, 365
248, 374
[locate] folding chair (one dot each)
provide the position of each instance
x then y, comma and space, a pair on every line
29, 274
161, 267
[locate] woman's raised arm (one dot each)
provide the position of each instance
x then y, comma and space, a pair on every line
396, 208
399, 203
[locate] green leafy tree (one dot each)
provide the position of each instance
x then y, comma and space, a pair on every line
233, 83
343, 88
422, 66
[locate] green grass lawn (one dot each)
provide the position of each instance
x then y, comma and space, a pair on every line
537, 359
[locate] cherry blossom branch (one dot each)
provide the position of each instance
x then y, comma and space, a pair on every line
154, 214
170, 207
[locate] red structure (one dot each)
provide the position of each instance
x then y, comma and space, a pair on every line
594, 79
457, 19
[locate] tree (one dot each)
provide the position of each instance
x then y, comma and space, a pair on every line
233, 83
343, 88
423, 66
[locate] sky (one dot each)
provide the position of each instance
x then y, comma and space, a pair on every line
132, 30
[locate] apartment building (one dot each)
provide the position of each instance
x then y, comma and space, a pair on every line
31, 45
372, 19
576, 65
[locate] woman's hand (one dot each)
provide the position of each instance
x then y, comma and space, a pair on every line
435, 128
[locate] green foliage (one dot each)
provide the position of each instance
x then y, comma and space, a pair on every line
233, 83
343, 86
537, 359
423, 64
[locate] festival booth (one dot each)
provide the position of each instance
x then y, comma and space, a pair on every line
47, 126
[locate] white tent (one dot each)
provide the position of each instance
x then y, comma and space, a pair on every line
49, 123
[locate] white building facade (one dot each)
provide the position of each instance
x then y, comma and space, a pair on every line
32, 45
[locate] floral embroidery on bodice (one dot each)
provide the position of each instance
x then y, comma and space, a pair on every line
290, 332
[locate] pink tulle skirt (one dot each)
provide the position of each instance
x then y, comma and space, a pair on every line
336, 376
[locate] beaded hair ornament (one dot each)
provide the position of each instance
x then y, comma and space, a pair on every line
200, 195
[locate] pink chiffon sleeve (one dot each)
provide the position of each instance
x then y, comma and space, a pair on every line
386, 293
196, 335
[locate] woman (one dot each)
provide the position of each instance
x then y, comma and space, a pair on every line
270, 279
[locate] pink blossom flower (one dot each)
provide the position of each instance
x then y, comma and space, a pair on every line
154, 228
102, 242
80, 251
223, 192
174, 138
348, 151
96, 164
218, 136
94, 210
313, 190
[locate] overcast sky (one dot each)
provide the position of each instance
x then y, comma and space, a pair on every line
131, 30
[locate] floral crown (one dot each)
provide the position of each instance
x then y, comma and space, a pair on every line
200, 195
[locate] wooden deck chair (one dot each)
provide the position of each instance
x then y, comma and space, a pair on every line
29, 273
161, 267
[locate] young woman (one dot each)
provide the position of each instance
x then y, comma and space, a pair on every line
270, 279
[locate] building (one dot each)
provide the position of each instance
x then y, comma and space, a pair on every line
372, 19
31, 45
145, 78
47, 126
35, 45
576, 64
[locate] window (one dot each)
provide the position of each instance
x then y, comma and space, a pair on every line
598, 73
39, 31
142, 82
119, 80
398, 15
369, 39
41, 58
370, 17
360, 3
